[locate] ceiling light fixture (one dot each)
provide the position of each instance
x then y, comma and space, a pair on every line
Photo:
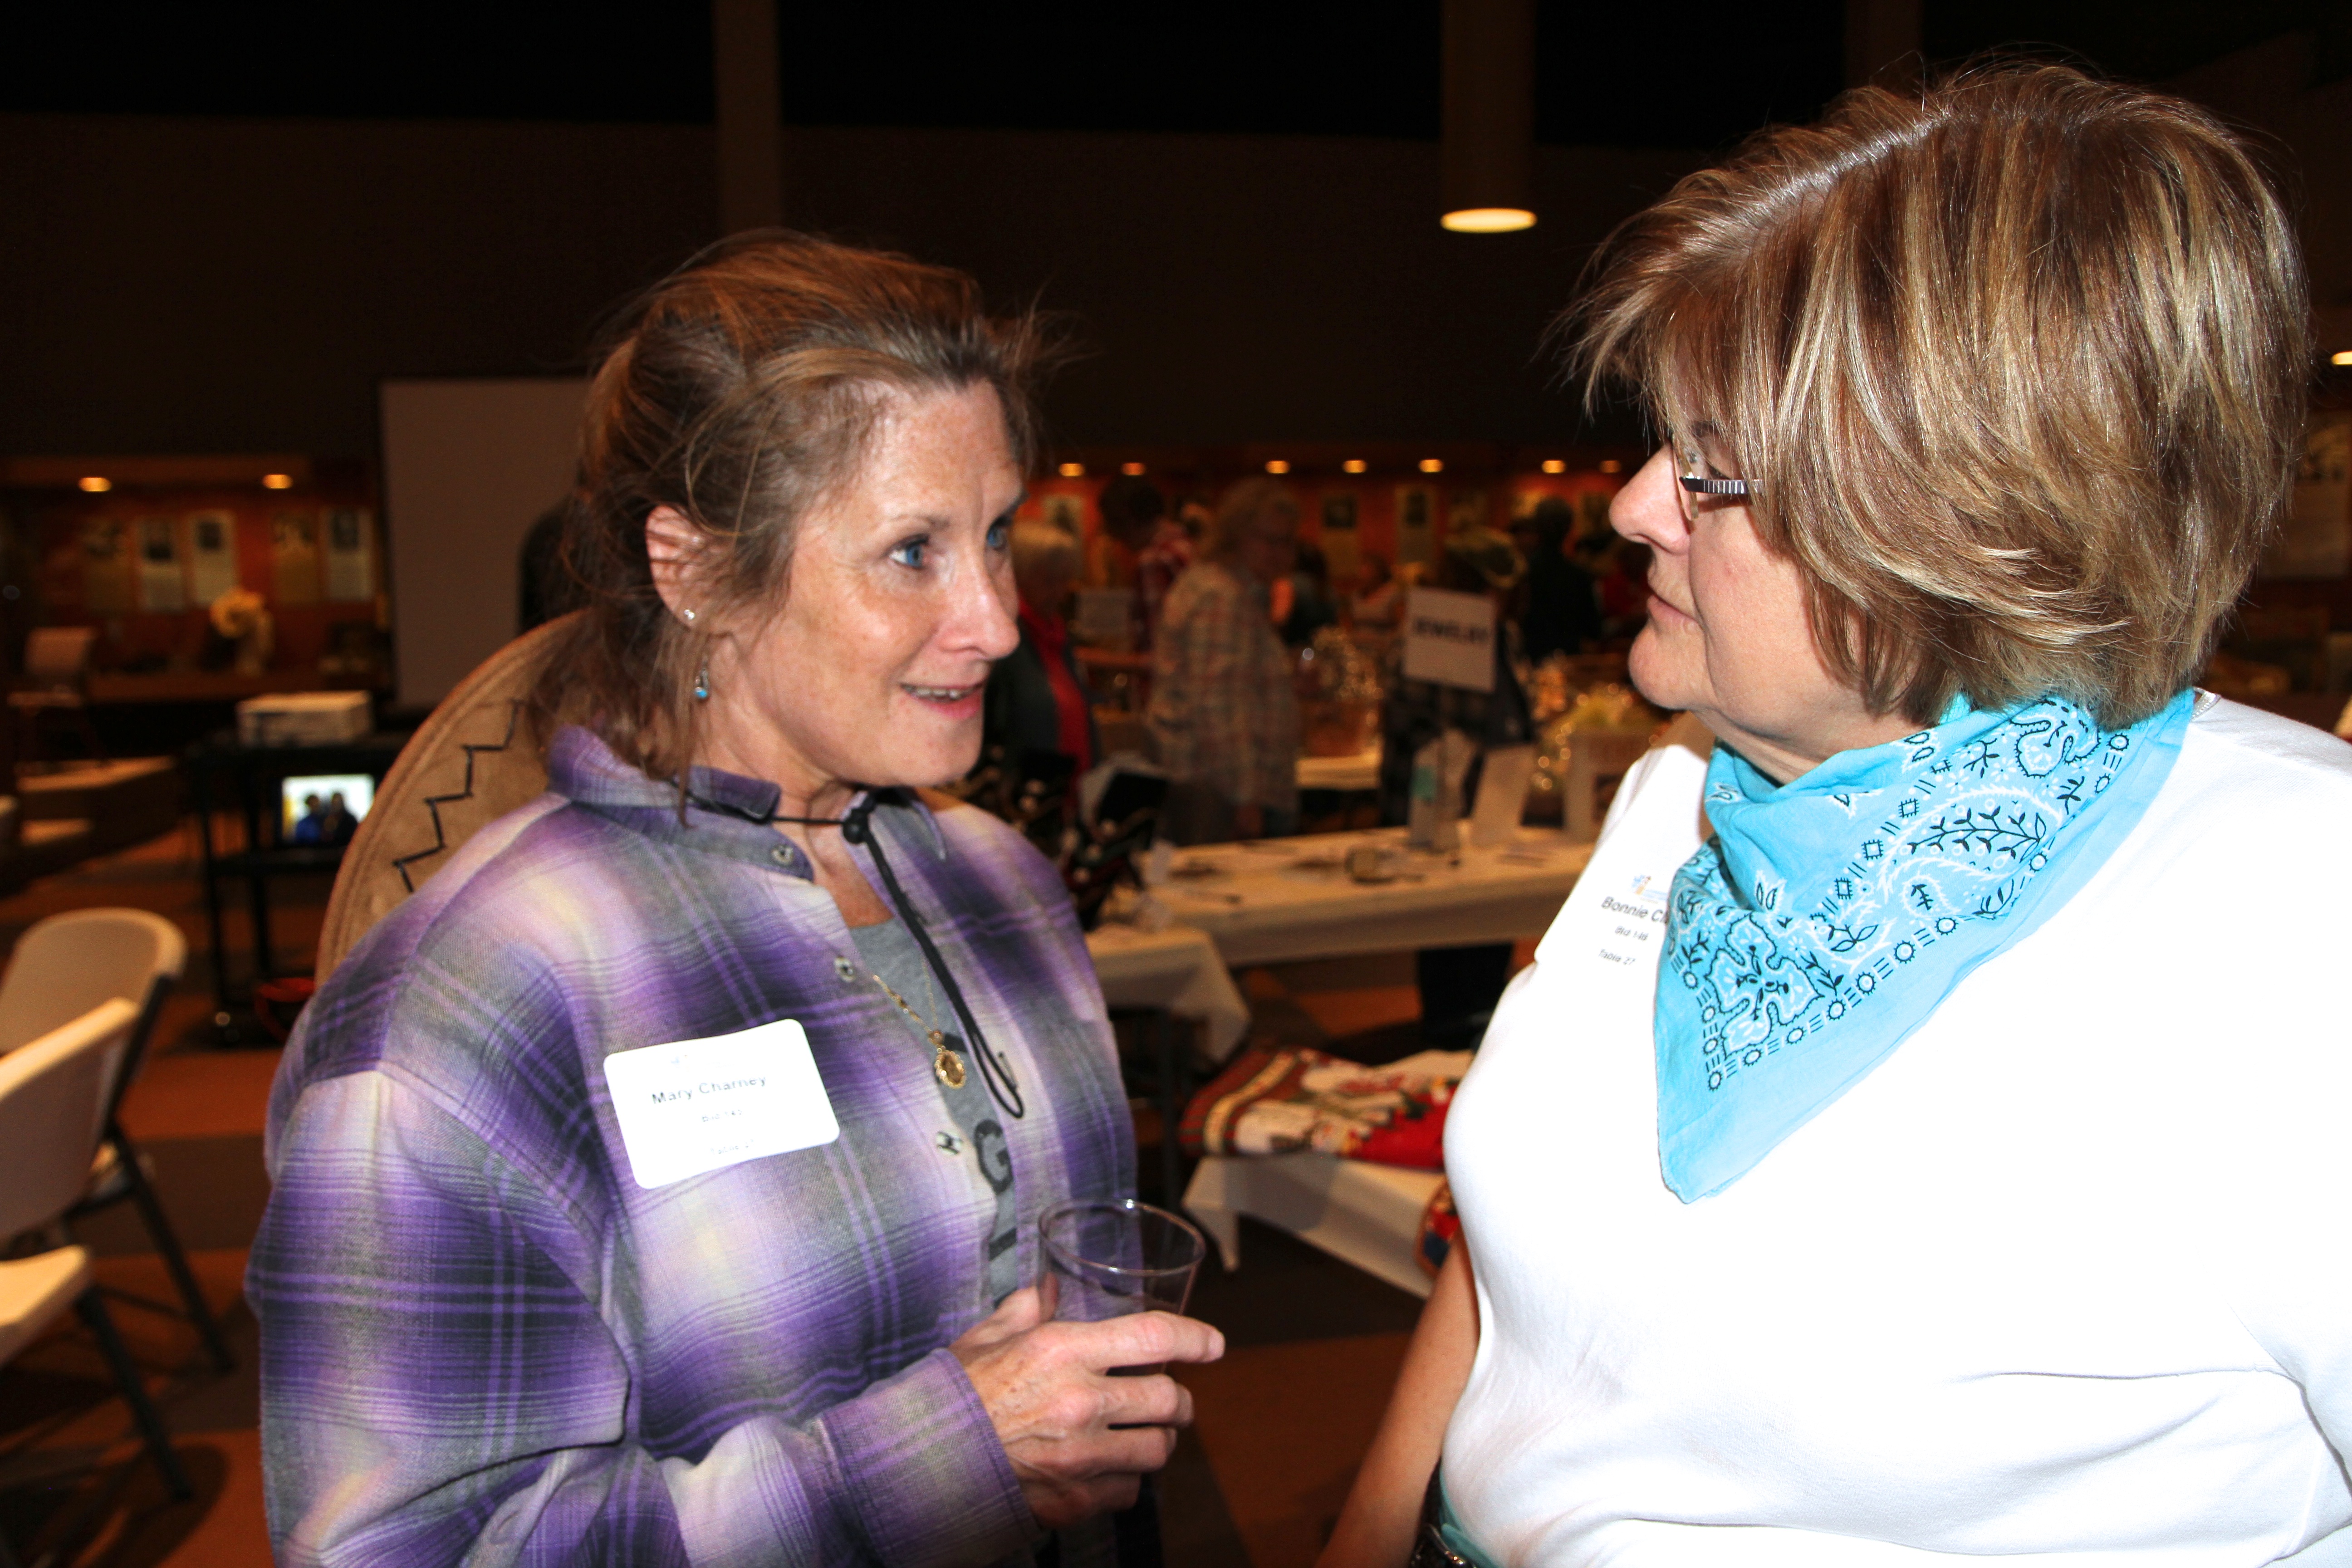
97, 484
1611, 466
2342, 357
1352, 466
1432, 465
1073, 470
1488, 220
1276, 466
1487, 129
1554, 466
1131, 470
277, 482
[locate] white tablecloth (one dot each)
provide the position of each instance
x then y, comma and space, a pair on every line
1361, 772
1282, 898
1179, 969
1358, 1212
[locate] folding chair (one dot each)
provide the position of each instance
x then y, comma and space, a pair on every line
63, 967
57, 675
53, 1100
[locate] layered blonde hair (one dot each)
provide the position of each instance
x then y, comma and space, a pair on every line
2016, 367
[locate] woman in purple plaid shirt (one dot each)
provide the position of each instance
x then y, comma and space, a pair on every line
523, 1298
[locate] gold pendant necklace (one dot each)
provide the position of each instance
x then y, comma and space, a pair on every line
947, 1063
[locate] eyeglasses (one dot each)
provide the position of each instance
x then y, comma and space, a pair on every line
1692, 480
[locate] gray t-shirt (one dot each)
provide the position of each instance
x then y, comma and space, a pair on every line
890, 950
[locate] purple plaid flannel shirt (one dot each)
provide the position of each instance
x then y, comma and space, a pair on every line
482, 1342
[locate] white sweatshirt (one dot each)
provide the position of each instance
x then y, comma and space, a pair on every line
2067, 1278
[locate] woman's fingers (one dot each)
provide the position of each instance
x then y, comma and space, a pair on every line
1158, 1401
1089, 1473
1078, 1436
1143, 1339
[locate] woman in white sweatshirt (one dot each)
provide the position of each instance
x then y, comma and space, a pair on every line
1918, 1138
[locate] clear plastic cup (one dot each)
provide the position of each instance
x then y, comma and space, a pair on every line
1100, 1258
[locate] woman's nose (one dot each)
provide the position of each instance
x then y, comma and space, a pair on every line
1648, 509
983, 615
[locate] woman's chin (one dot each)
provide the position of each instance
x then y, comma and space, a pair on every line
1658, 674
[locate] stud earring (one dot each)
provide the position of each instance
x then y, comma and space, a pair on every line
702, 682
689, 617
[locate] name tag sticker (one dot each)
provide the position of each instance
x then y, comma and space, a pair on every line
693, 1106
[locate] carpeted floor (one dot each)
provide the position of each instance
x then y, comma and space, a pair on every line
1281, 1423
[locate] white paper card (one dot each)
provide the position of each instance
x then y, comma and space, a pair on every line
693, 1106
1502, 794
1449, 638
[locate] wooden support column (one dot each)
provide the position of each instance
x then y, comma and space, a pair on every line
750, 114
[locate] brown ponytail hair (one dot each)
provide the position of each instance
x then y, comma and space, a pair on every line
740, 390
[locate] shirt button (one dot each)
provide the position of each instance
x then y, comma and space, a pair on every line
843, 968
781, 855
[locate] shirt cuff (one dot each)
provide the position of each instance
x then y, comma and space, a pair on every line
928, 1476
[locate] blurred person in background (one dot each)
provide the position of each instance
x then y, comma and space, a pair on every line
1619, 572
1312, 606
1140, 547
1378, 598
1563, 613
1223, 717
1130, 505
1037, 701
1459, 985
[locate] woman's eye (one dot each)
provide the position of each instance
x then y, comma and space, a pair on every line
999, 534
911, 553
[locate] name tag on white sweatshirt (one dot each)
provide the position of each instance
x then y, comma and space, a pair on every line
693, 1106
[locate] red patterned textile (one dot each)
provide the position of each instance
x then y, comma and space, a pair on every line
1275, 1102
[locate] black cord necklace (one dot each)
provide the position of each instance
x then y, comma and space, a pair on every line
857, 827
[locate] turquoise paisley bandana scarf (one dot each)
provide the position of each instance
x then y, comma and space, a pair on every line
1829, 917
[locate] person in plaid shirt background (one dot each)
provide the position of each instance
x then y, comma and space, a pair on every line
1225, 711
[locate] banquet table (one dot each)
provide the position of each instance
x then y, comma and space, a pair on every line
1359, 772
1359, 1211
1275, 900
1177, 969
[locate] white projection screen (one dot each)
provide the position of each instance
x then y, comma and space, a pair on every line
467, 466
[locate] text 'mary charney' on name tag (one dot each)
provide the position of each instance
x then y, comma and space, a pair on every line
692, 1106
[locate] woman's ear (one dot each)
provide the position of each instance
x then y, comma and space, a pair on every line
674, 548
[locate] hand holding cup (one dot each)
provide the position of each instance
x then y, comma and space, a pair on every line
1079, 1402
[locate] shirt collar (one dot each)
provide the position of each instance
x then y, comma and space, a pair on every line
726, 813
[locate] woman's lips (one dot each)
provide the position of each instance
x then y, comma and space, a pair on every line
1662, 611
949, 701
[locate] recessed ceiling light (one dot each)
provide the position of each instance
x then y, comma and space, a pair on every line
97, 483
1554, 466
1130, 470
1432, 465
277, 482
1276, 466
2342, 357
1073, 470
1611, 466
1488, 220
1352, 466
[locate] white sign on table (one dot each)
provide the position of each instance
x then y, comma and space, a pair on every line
1449, 638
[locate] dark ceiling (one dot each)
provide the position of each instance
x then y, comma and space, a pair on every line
1692, 75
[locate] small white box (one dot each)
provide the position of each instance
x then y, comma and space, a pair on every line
303, 719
